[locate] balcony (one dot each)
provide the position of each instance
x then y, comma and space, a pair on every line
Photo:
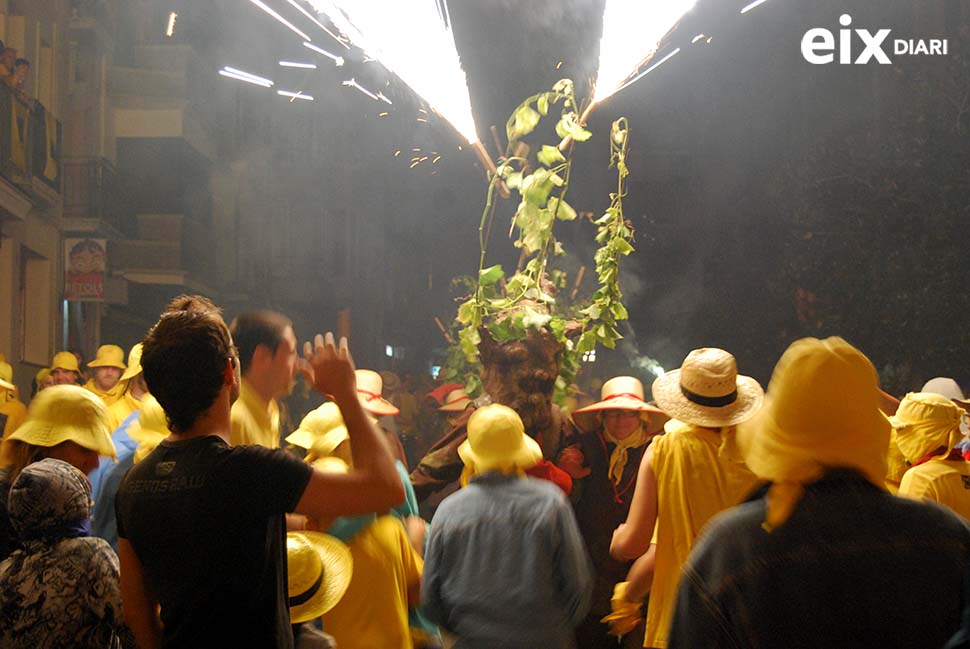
94, 200
30, 152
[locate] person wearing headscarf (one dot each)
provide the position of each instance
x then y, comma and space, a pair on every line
61, 589
823, 556
686, 477
65, 422
617, 431
927, 430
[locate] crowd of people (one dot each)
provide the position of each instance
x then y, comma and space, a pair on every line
13, 69
146, 505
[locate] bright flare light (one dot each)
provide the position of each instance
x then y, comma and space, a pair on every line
632, 31
337, 60
412, 39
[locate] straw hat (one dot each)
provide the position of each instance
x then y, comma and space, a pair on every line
134, 363
925, 422
948, 388
109, 356
319, 569
67, 413
65, 361
456, 401
150, 428
369, 388
708, 391
322, 429
497, 440
619, 393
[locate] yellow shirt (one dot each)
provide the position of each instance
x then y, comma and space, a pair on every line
111, 395
944, 481
699, 473
254, 422
120, 409
374, 610
15, 411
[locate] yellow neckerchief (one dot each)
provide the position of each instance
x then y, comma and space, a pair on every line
618, 457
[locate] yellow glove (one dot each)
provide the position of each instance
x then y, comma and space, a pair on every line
626, 614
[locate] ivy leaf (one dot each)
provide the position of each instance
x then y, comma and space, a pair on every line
562, 209
558, 327
623, 247
563, 86
468, 313
587, 342
537, 186
569, 126
502, 330
522, 122
619, 311
514, 181
550, 155
593, 311
490, 275
469, 339
543, 104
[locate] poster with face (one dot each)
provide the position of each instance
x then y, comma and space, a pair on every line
85, 264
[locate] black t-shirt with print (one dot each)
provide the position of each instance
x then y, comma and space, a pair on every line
207, 523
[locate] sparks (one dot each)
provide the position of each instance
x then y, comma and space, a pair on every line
397, 153
337, 60
297, 64
294, 95
262, 5
245, 76
632, 31
414, 40
170, 29
696, 38
316, 22
353, 84
383, 114
559, 65
380, 95
753, 5
435, 161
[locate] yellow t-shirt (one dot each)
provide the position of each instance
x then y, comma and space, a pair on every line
374, 610
699, 474
944, 481
254, 422
15, 411
120, 409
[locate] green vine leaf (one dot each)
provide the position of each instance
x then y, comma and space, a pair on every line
490, 275
523, 122
562, 209
550, 156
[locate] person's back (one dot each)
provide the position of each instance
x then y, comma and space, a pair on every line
944, 481
374, 610
507, 572
852, 567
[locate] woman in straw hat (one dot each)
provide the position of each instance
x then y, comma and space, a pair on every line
927, 432
64, 422
686, 476
824, 557
616, 432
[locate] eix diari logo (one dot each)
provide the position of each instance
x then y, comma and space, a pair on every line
819, 46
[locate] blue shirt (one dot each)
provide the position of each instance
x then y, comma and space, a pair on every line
106, 479
123, 443
506, 566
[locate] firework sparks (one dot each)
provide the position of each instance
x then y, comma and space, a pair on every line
294, 95
170, 28
753, 5
337, 60
297, 64
413, 40
262, 5
242, 75
316, 22
352, 83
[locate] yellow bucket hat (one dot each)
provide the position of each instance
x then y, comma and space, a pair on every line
65, 361
497, 441
65, 413
925, 422
6, 376
322, 430
109, 356
821, 410
150, 428
134, 363
319, 568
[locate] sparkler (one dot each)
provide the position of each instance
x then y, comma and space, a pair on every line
337, 60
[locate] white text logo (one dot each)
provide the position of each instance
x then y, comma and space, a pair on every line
819, 46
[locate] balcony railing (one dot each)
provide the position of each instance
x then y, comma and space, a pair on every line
92, 190
30, 142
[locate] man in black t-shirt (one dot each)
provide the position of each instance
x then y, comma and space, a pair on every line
201, 524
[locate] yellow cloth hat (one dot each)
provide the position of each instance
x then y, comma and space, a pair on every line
65, 413
319, 568
134, 363
322, 430
109, 356
925, 422
42, 375
497, 441
821, 410
6, 376
150, 428
65, 361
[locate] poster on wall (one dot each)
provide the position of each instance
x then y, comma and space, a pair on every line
85, 262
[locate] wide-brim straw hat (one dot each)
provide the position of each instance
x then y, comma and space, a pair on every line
134, 363
456, 401
370, 386
322, 427
708, 391
67, 413
619, 393
497, 440
948, 388
109, 356
319, 568
65, 361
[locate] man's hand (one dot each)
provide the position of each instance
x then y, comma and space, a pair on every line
333, 367
571, 461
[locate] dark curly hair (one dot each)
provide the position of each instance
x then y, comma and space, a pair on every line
184, 359
250, 330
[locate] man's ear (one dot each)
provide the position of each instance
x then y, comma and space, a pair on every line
229, 371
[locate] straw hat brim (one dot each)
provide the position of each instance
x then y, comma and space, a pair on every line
670, 398
527, 455
7, 385
588, 418
457, 406
378, 406
338, 566
96, 363
40, 433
